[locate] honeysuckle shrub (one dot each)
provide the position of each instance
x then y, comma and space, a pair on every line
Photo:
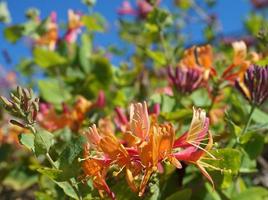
170, 121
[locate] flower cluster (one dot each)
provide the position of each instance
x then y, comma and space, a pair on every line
255, 84
50, 37
147, 145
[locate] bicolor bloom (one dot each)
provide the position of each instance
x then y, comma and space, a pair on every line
185, 80
199, 58
193, 146
148, 145
74, 26
50, 37
241, 61
254, 85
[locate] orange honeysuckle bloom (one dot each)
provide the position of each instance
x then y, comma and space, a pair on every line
74, 20
50, 37
199, 58
97, 169
74, 26
111, 152
10, 134
241, 61
149, 144
154, 142
50, 120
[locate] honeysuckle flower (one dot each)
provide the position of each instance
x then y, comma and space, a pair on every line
50, 37
49, 119
147, 145
260, 3
195, 144
74, 26
126, 9
254, 85
199, 58
9, 133
96, 169
185, 80
108, 151
121, 119
154, 142
241, 61
144, 8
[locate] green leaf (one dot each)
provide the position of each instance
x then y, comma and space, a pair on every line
157, 56
167, 103
45, 58
13, 33
180, 195
42, 142
253, 144
52, 91
54, 174
178, 115
259, 116
94, 22
85, 52
227, 160
27, 139
67, 188
68, 160
256, 193
103, 71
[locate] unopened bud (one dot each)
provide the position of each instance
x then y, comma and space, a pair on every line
19, 91
15, 98
30, 118
26, 93
16, 123
35, 106
34, 115
6, 102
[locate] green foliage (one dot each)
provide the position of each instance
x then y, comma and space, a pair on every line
43, 140
51, 91
13, 33
46, 58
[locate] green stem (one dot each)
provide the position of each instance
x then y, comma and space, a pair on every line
253, 106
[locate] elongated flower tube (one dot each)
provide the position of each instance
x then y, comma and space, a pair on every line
255, 84
195, 144
185, 80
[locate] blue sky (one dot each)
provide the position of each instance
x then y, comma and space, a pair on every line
230, 12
